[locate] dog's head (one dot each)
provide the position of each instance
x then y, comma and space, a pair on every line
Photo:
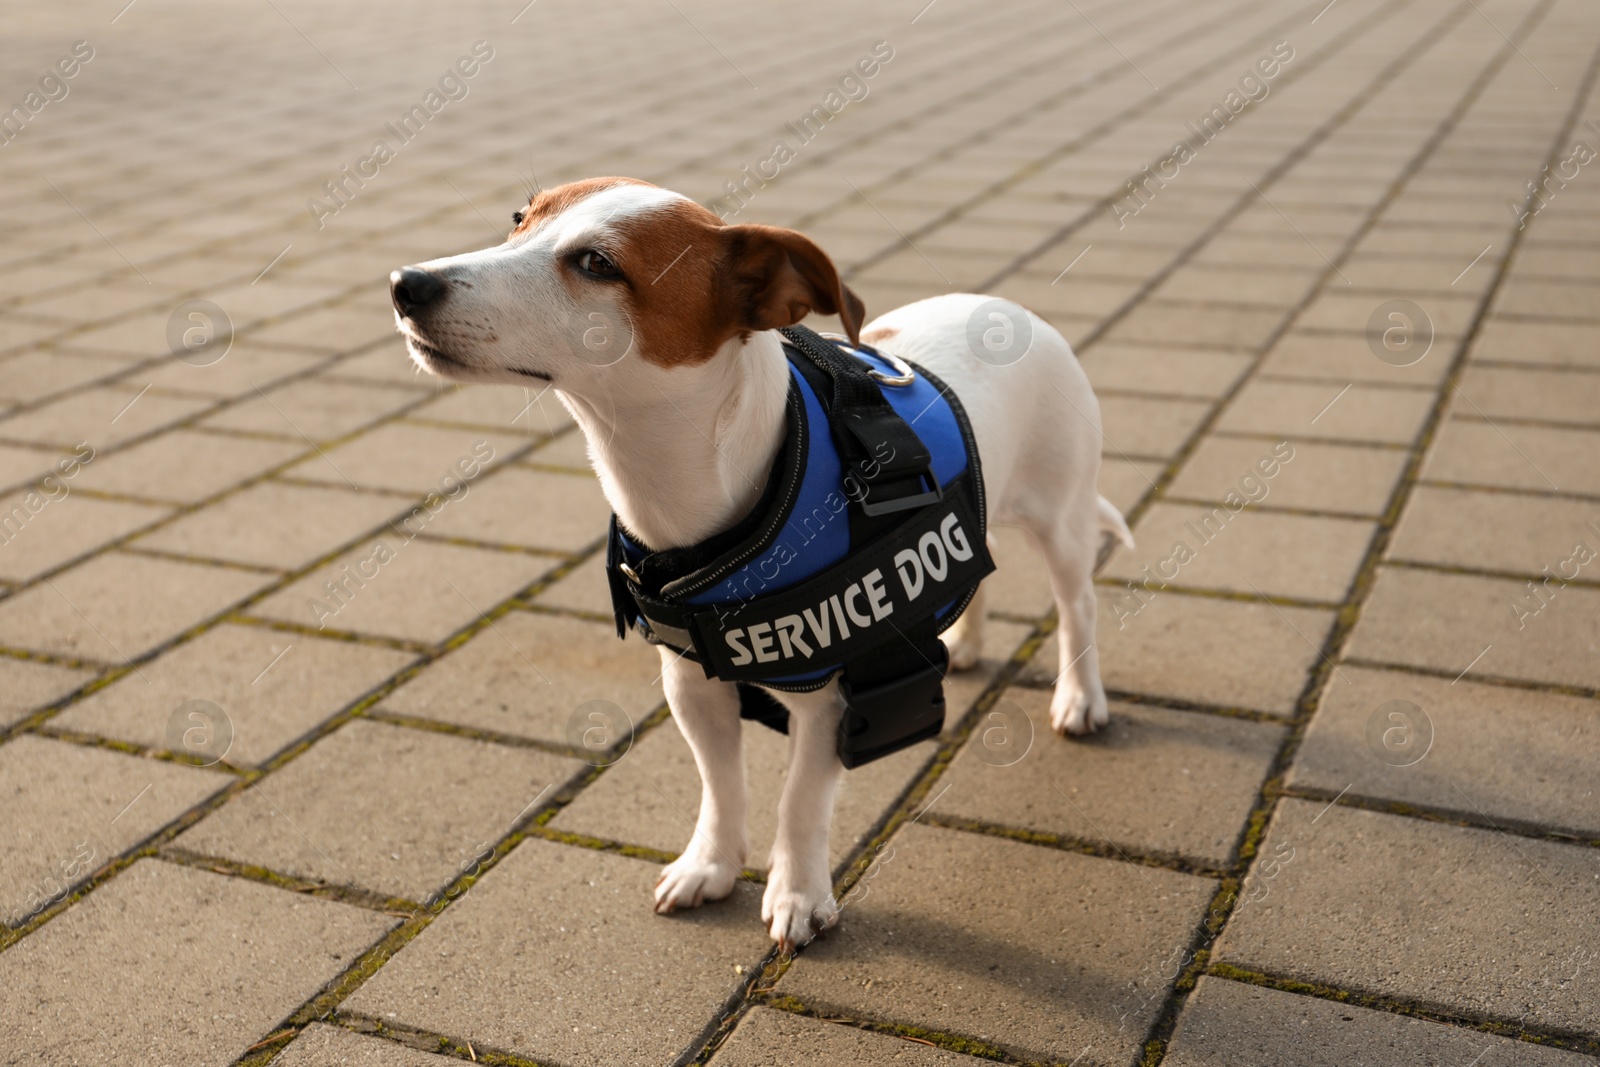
600, 272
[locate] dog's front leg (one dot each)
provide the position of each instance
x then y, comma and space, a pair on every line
707, 714
799, 900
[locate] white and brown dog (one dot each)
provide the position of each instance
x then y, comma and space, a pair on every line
655, 323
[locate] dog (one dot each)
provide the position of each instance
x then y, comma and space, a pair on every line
656, 324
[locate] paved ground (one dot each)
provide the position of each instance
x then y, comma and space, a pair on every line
300, 653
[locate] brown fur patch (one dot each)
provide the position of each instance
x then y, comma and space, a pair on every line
549, 203
879, 334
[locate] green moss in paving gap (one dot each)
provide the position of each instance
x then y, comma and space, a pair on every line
88, 740
600, 844
427, 1041
493, 546
1178, 704
10, 935
1228, 594
1445, 816
922, 1035
1569, 1040
494, 737
1583, 691
1068, 843
346, 894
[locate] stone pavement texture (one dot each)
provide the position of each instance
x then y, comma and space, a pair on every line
315, 745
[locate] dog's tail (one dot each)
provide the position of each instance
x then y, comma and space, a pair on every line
1111, 522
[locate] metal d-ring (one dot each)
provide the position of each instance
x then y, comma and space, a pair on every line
907, 374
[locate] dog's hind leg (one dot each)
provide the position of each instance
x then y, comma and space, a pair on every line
1069, 542
707, 714
799, 900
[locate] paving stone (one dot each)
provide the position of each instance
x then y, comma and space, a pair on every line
1450, 313
1473, 922
1201, 774
652, 795
1001, 639
103, 416
499, 408
767, 1038
321, 1045
68, 810
40, 529
1034, 950
187, 934
1503, 753
27, 376
1565, 396
1294, 410
1199, 323
1125, 482
1145, 426
1230, 1023
1352, 479
516, 506
528, 674
244, 369
1279, 285
1520, 341
386, 363
386, 808
184, 466
273, 687
23, 466
392, 587
408, 457
1515, 456
1204, 649
315, 407
1347, 357
1244, 551
103, 609
1499, 531
27, 685
1444, 621
569, 932
336, 329
584, 589
1154, 369
274, 525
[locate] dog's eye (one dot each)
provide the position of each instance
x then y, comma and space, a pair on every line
517, 217
595, 263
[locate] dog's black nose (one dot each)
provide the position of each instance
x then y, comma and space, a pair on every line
413, 288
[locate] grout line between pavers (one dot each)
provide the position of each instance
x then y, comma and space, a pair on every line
1572, 1041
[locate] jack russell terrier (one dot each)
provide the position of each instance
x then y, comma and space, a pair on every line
710, 416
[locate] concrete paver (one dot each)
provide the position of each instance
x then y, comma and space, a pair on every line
400, 812
1199, 775
550, 921
321, 1045
66, 811
271, 687
1374, 902
1230, 1023
996, 941
767, 1038
219, 962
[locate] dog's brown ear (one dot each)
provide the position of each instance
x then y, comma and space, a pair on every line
777, 277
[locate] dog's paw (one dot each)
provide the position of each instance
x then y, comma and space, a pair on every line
794, 917
1073, 711
691, 880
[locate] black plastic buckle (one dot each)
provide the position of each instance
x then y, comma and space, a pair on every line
883, 719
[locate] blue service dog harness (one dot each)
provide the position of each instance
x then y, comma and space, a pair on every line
868, 541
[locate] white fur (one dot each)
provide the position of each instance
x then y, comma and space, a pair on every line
683, 453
